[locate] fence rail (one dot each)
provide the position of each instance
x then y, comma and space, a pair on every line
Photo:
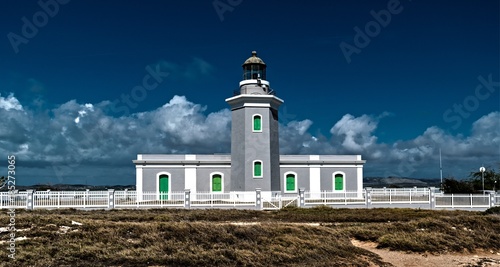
70, 199
379, 197
403, 195
334, 198
463, 201
133, 199
231, 199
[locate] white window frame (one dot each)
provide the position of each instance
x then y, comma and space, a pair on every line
261, 169
158, 183
253, 121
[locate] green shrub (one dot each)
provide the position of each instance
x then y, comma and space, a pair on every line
493, 210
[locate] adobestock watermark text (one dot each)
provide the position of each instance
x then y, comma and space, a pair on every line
223, 6
471, 103
121, 107
31, 27
372, 29
11, 185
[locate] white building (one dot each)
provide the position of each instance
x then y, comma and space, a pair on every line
255, 161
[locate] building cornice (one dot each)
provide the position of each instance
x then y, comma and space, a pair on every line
321, 162
245, 100
182, 162
283, 163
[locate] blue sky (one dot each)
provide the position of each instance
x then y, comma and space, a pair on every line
417, 76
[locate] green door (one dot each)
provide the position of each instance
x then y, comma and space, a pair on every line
163, 186
216, 183
290, 182
339, 182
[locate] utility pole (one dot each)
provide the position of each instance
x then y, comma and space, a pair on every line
441, 170
482, 169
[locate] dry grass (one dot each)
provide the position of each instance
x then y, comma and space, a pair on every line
172, 237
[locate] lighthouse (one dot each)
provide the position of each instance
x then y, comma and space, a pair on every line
255, 163
255, 157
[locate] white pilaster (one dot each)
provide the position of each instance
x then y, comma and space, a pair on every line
190, 180
314, 181
138, 181
360, 181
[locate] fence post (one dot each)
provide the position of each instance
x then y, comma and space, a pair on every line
492, 199
258, 199
368, 196
301, 202
86, 199
187, 198
111, 198
432, 198
138, 196
30, 199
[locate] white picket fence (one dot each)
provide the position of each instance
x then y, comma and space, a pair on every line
334, 198
373, 197
133, 199
464, 201
400, 195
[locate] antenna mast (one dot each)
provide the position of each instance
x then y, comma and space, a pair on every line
440, 169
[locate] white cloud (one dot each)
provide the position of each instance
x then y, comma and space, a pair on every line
294, 138
414, 157
10, 102
355, 133
82, 113
82, 139
461, 154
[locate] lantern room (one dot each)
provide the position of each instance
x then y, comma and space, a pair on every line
254, 77
254, 68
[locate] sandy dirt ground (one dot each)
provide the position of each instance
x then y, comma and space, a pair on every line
479, 259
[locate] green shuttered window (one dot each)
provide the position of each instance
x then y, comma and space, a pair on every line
216, 183
257, 169
257, 123
290, 182
339, 182
163, 186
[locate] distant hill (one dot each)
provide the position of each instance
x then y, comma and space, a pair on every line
399, 182
72, 187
